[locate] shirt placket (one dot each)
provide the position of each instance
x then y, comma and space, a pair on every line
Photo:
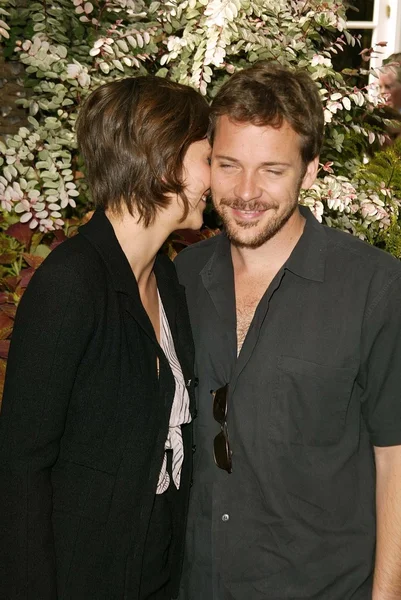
224, 520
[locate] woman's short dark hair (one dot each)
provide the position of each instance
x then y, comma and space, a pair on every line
133, 135
267, 94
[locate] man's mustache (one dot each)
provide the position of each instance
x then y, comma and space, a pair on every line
238, 204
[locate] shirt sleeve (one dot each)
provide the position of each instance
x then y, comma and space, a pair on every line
52, 329
380, 374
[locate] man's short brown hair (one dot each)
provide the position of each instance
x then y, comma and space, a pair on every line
133, 135
267, 94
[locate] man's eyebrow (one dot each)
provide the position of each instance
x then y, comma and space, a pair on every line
271, 163
229, 158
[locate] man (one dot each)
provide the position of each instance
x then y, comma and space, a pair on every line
390, 80
298, 334
390, 88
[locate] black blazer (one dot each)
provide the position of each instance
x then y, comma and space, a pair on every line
84, 422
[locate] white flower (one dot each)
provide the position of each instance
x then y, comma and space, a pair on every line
316, 207
5, 195
317, 210
6, 204
46, 225
174, 46
368, 210
174, 43
328, 116
318, 59
214, 55
77, 71
23, 206
73, 70
220, 11
14, 192
334, 106
346, 103
341, 24
88, 7
36, 46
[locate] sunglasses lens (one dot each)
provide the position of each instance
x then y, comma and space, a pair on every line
220, 404
222, 453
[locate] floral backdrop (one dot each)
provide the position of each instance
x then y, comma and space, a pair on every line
69, 47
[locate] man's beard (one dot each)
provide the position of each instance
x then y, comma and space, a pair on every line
233, 227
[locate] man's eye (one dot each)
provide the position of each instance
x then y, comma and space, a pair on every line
274, 172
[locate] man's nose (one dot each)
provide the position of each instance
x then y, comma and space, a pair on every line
247, 186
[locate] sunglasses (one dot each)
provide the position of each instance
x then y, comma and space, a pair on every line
221, 447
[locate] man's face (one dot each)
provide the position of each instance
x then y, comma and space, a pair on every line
390, 87
257, 173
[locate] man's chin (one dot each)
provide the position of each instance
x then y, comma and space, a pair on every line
247, 237
254, 235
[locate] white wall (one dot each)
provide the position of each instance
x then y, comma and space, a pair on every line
389, 25
386, 27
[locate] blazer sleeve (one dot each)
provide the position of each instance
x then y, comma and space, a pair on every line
53, 326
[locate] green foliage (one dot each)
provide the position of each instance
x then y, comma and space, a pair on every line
69, 47
384, 168
384, 172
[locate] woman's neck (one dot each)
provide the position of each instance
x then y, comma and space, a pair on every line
140, 244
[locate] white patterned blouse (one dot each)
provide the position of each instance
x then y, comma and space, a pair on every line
179, 412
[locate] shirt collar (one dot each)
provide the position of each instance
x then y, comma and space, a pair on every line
307, 260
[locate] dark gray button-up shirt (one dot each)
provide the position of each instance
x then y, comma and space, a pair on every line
316, 384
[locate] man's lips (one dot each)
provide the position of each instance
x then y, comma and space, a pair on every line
247, 215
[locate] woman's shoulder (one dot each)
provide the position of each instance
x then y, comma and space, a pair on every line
73, 261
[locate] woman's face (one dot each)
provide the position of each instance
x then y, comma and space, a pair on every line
197, 182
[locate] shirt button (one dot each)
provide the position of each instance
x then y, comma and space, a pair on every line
225, 518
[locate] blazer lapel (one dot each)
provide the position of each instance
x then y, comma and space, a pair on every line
100, 233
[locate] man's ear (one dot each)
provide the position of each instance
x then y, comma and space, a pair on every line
310, 174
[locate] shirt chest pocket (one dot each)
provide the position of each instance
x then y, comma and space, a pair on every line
310, 402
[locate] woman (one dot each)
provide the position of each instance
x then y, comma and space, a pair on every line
95, 430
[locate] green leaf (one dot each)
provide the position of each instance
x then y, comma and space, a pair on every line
33, 122
38, 27
51, 184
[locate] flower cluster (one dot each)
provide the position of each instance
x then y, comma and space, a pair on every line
39, 194
337, 202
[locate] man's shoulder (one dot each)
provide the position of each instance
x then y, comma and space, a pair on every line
360, 254
192, 259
